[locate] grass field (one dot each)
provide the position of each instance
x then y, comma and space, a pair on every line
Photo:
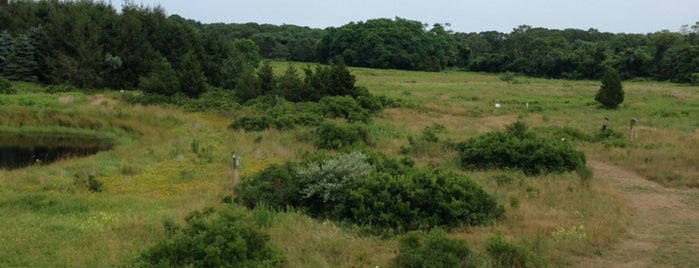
154, 173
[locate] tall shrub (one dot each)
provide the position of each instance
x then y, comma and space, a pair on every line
611, 93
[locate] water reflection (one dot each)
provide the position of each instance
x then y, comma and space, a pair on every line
18, 151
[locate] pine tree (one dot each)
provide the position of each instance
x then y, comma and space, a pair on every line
611, 93
6, 42
161, 79
20, 64
192, 79
266, 76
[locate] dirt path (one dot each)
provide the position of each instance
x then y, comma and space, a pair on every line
664, 229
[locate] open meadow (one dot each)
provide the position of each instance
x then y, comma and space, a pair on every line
167, 162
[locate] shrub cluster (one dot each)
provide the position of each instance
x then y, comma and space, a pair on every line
431, 250
517, 148
212, 239
383, 195
275, 112
331, 135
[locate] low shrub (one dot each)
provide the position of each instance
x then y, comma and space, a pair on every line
506, 254
275, 186
331, 135
381, 195
432, 250
6, 87
517, 148
251, 123
418, 200
344, 107
212, 239
611, 138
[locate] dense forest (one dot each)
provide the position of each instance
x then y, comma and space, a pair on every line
90, 44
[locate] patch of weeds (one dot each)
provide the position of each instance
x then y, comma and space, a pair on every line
88, 181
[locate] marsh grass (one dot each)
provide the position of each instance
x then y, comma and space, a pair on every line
153, 173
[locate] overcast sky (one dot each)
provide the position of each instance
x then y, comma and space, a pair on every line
617, 16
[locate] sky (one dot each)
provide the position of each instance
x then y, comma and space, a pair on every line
616, 16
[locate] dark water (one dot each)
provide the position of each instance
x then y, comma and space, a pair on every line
27, 149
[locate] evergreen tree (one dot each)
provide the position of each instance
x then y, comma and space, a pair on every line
6, 42
611, 93
266, 76
248, 85
161, 79
20, 64
290, 85
191, 77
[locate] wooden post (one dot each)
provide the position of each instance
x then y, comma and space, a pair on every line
633, 123
236, 163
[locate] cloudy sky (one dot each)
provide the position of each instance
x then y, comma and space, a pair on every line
627, 16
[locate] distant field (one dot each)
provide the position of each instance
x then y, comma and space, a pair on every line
154, 172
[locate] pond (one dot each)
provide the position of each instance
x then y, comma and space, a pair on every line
25, 149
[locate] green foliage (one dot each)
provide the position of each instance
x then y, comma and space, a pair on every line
213, 239
695, 79
251, 123
385, 43
20, 63
611, 138
611, 93
214, 99
379, 194
190, 76
161, 80
519, 149
428, 142
431, 250
273, 111
6, 86
419, 200
326, 183
275, 186
331, 135
506, 254
344, 107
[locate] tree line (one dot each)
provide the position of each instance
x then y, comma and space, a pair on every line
90, 44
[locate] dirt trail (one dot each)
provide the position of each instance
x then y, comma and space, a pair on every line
664, 228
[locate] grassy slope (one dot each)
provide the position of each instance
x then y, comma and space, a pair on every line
49, 222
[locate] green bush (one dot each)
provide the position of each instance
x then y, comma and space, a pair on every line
519, 149
212, 239
432, 250
251, 123
325, 183
344, 107
506, 254
418, 200
275, 186
6, 86
379, 194
331, 135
